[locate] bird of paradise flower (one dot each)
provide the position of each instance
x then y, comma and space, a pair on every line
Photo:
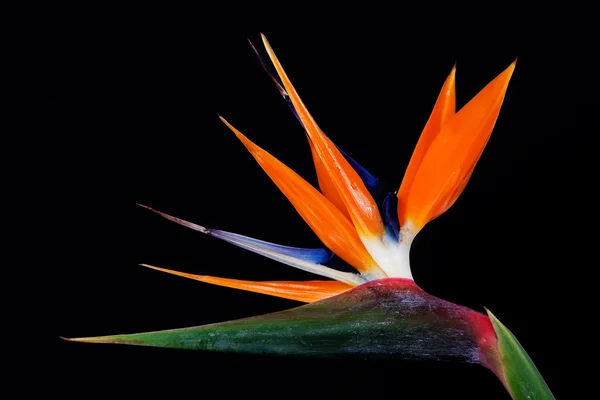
378, 310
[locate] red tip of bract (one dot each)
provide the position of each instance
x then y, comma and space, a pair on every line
451, 157
488, 343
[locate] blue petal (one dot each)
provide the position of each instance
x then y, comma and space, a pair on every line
339, 264
372, 183
390, 215
322, 256
310, 260
316, 255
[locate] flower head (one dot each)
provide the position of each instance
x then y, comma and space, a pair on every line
358, 223
376, 310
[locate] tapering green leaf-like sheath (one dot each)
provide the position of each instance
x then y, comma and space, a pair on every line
523, 379
385, 318
389, 318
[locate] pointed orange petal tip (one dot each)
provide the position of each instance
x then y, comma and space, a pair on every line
359, 203
444, 109
451, 157
249, 145
324, 218
81, 340
351, 189
307, 291
117, 339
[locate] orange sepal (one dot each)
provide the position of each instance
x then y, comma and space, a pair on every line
444, 108
358, 201
306, 291
325, 183
451, 157
328, 223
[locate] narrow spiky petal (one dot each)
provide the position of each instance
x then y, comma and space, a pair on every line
360, 204
328, 187
371, 182
450, 159
444, 108
328, 223
306, 291
274, 78
358, 200
310, 260
389, 213
326, 184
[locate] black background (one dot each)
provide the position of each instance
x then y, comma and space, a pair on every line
127, 98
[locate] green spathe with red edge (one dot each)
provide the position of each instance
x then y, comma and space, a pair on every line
389, 318
385, 318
